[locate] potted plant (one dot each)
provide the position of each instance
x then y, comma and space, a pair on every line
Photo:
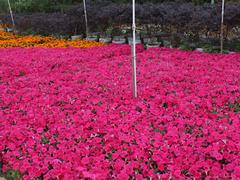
105, 39
76, 37
153, 45
119, 40
130, 40
149, 40
93, 37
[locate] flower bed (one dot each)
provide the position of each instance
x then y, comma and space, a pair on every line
8, 40
68, 114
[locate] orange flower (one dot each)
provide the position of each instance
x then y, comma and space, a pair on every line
8, 40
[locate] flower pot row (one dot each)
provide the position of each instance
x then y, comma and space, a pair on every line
6, 29
149, 42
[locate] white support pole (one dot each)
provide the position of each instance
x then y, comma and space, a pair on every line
212, 2
85, 15
134, 71
11, 13
222, 27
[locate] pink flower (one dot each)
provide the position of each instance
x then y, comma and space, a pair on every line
72, 114
237, 171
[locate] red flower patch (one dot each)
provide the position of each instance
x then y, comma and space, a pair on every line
68, 114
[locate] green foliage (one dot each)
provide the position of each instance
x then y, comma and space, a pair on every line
235, 106
30, 31
36, 5
32, 5
211, 49
187, 46
208, 48
45, 140
3, 6
12, 174
237, 47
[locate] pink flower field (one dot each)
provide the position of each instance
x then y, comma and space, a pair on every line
69, 114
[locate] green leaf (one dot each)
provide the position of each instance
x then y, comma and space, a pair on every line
13, 174
45, 140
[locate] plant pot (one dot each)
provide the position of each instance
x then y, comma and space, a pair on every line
130, 40
76, 37
9, 29
199, 49
92, 38
153, 45
119, 40
150, 40
167, 44
105, 39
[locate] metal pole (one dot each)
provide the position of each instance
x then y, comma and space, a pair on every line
85, 15
10, 9
134, 52
223, 7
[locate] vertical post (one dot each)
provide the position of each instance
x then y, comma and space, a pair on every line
85, 15
212, 2
10, 9
223, 7
134, 71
